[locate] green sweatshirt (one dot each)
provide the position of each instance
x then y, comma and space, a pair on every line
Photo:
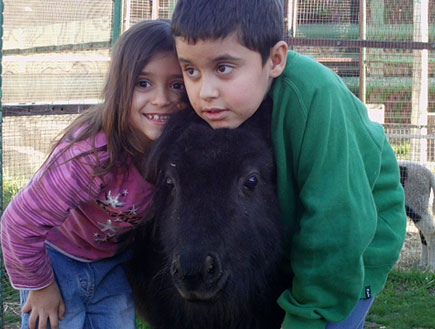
339, 192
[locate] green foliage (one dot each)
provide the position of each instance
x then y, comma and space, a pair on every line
10, 188
407, 301
10, 295
141, 325
402, 150
11, 298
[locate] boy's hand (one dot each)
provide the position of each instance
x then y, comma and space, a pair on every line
45, 305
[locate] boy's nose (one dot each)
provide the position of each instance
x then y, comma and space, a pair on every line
208, 90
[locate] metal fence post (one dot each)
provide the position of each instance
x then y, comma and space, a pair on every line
155, 9
420, 80
1, 160
116, 23
362, 36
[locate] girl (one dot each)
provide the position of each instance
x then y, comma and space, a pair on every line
64, 235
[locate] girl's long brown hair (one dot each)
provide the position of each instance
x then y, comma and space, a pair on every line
131, 52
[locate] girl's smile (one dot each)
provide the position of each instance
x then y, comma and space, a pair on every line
158, 118
158, 93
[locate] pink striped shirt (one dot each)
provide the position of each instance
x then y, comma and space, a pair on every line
86, 218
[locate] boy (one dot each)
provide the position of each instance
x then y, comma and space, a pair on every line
338, 179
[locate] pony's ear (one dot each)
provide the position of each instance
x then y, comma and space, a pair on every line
161, 147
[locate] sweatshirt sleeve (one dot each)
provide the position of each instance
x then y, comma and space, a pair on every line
336, 165
42, 204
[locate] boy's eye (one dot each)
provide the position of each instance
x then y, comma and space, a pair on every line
178, 85
143, 84
224, 68
191, 72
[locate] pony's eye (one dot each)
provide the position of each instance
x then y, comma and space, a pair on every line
251, 182
169, 181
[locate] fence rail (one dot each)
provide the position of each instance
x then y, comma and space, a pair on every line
359, 43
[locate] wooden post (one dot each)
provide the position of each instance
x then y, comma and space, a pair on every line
155, 9
116, 23
292, 16
286, 17
127, 14
420, 82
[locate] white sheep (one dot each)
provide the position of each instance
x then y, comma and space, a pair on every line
418, 182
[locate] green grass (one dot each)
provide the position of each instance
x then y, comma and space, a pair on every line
407, 302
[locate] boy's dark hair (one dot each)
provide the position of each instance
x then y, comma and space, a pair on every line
258, 23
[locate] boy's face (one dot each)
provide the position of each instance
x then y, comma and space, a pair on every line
225, 81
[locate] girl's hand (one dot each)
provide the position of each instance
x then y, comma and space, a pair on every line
45, 305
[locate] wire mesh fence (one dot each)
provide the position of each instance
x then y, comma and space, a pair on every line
55, 57
136, 10
55, 51
56, 54
26, 140
395, 80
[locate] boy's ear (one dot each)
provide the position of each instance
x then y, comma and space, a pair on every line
278, 58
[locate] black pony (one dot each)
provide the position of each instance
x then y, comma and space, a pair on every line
209, 257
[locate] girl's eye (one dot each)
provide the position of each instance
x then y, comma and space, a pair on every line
191, 72
143, 84
224, 68
178, 85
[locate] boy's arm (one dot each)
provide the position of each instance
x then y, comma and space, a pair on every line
337, 165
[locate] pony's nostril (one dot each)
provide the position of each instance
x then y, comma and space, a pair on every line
210, 265
175, 268
212, 268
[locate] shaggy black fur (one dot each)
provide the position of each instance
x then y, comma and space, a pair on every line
210, 257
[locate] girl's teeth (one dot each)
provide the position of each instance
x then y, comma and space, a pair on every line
157, 117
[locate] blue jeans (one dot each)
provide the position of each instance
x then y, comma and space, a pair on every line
356, 318
97, 295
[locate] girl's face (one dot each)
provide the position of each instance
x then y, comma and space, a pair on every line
158, 93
